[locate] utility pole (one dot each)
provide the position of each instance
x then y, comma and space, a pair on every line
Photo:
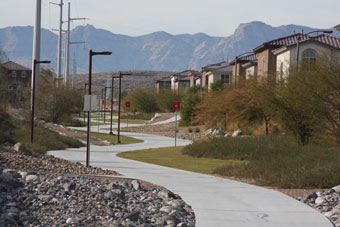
36, 43
60, 37
67, 45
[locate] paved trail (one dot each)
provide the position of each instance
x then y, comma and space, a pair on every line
217, 202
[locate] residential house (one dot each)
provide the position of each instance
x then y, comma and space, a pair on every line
163, 84
307, 48
214, 72
181, 81
243, 68
16, 74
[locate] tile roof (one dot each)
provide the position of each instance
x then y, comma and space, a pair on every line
10, 65
186, 73
324, 38
165, 79
214, 66
246, 58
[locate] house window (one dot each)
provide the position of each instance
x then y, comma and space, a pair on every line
14, 73
308, 54
225, 79
23, 74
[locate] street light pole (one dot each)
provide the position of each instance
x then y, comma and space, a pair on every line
35, 62
112, 84
91, 53
119, 102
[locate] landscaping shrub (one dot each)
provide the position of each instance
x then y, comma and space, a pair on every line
274, 160
189, 102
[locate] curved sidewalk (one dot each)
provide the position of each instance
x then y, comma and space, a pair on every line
217, 202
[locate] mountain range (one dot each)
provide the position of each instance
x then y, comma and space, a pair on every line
159, 51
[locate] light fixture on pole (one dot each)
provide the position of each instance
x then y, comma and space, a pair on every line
35, 62
298, 43
92, 53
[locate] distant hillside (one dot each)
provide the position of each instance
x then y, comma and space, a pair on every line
138, 79
159, 51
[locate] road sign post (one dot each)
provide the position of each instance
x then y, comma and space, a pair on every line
127, 106
176, 106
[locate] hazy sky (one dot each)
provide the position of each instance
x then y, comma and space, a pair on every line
139, 17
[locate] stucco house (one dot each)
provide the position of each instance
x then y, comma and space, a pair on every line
163, 84
244, 67
308, 48
181, 81
214, 72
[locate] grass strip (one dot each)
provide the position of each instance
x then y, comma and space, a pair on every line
113, 138
274, 160
44, 139
172, 157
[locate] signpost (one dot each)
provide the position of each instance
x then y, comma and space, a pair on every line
176, 106
127, 106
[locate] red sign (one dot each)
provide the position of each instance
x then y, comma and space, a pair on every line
103, 102
176, 105
113, 102
127, 104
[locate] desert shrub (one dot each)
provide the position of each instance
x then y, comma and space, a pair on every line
56, 103
142, 100
274, 160
165, 99
188, 106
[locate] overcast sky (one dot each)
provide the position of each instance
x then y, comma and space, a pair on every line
139, 17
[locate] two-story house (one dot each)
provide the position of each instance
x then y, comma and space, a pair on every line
16, 74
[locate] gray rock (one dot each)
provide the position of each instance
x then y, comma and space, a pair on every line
133, 216
336, 189
71, 221
32, 178
236, 133
136, 185
18, 147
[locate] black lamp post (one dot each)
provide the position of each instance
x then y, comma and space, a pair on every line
119, 102
35, 62
298, 44
92, 53
112, 89
236, 58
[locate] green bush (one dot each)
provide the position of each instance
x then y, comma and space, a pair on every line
142, 100
192, 98
6, 127
274, 160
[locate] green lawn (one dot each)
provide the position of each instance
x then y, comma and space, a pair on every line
172, 157
113, 138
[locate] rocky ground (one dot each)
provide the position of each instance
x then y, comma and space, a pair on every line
325, 201
40, 190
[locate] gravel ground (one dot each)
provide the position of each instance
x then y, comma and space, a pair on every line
40, 190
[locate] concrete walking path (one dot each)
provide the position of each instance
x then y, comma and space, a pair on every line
217, 202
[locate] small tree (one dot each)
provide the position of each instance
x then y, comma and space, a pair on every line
143, 100
188, 107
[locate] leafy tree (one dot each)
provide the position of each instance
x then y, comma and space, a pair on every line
292, 107
142, 100
56, 103
165, 99
188, 107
